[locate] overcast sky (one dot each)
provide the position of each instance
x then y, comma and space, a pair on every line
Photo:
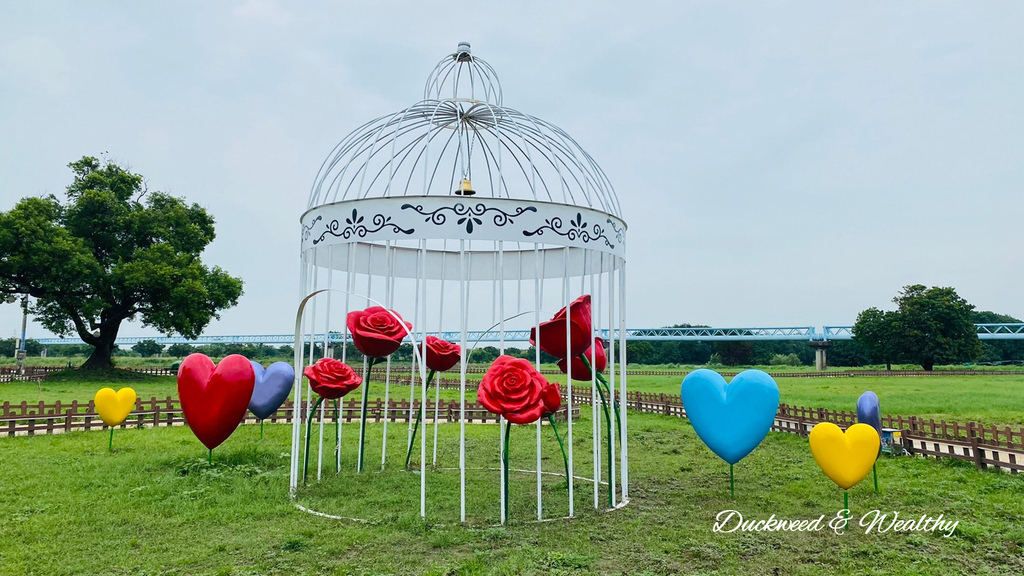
779, 163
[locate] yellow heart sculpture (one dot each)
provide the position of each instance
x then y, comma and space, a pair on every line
114, 407
845, 458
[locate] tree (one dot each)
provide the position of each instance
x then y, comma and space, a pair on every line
929, 326
484, 355
180, 350
935, 326
733, 353
641, 352
847, 353
875, 332
113, 251
148, 348
9, 347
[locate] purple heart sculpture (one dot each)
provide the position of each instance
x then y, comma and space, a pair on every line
869, 412
271, 389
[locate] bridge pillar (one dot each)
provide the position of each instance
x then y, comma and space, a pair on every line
820, 353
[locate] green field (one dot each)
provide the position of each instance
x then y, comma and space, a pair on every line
154, 506
990, 398
994, 398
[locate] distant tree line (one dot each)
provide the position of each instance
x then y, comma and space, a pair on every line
728, 353
9, 347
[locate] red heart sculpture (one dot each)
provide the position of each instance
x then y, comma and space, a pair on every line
214, 397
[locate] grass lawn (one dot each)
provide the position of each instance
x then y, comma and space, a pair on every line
154, 506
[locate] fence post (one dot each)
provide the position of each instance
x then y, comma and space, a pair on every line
979, 461
67, 420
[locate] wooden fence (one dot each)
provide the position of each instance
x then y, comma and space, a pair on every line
984, 446
28, 419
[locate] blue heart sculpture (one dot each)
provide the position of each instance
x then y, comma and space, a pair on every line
732, 418
869, 412
271, 389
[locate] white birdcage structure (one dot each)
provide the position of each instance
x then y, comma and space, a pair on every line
475, 222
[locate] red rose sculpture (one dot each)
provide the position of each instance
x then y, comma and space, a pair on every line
579, 369
551, 396
442, 354
512, 387
332, 378
376, 332
552, 332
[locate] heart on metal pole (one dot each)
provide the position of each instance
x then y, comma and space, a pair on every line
732, 418
271, 388
114, 407
214, 397
846, 458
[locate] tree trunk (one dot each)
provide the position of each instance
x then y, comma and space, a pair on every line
927, 365
888, 366
101, 353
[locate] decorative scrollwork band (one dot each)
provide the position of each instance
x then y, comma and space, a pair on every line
355, 227
496, 219
575, 230
470, 214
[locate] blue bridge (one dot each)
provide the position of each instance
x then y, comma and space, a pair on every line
807, 333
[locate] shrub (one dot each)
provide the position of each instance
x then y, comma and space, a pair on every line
786, 360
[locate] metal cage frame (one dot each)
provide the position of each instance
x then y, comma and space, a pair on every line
460, 190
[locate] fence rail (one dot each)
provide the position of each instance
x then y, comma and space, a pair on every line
29, 419
984, 446
996, 446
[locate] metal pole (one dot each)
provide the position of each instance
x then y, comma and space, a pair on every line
24, 324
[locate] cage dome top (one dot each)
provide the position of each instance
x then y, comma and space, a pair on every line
460, 141
462, 76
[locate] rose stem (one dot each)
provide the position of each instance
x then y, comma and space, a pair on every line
309, 431
551, 418
601, 380
210, 457
261, 429
875, 473
608, 426
508, 432
110, 445
337, 436
604, 404
362, 411
732, 485
419, 414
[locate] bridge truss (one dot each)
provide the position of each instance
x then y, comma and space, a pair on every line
809, 333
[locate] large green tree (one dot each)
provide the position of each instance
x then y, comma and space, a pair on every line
929, 326
112, 251
875, 332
